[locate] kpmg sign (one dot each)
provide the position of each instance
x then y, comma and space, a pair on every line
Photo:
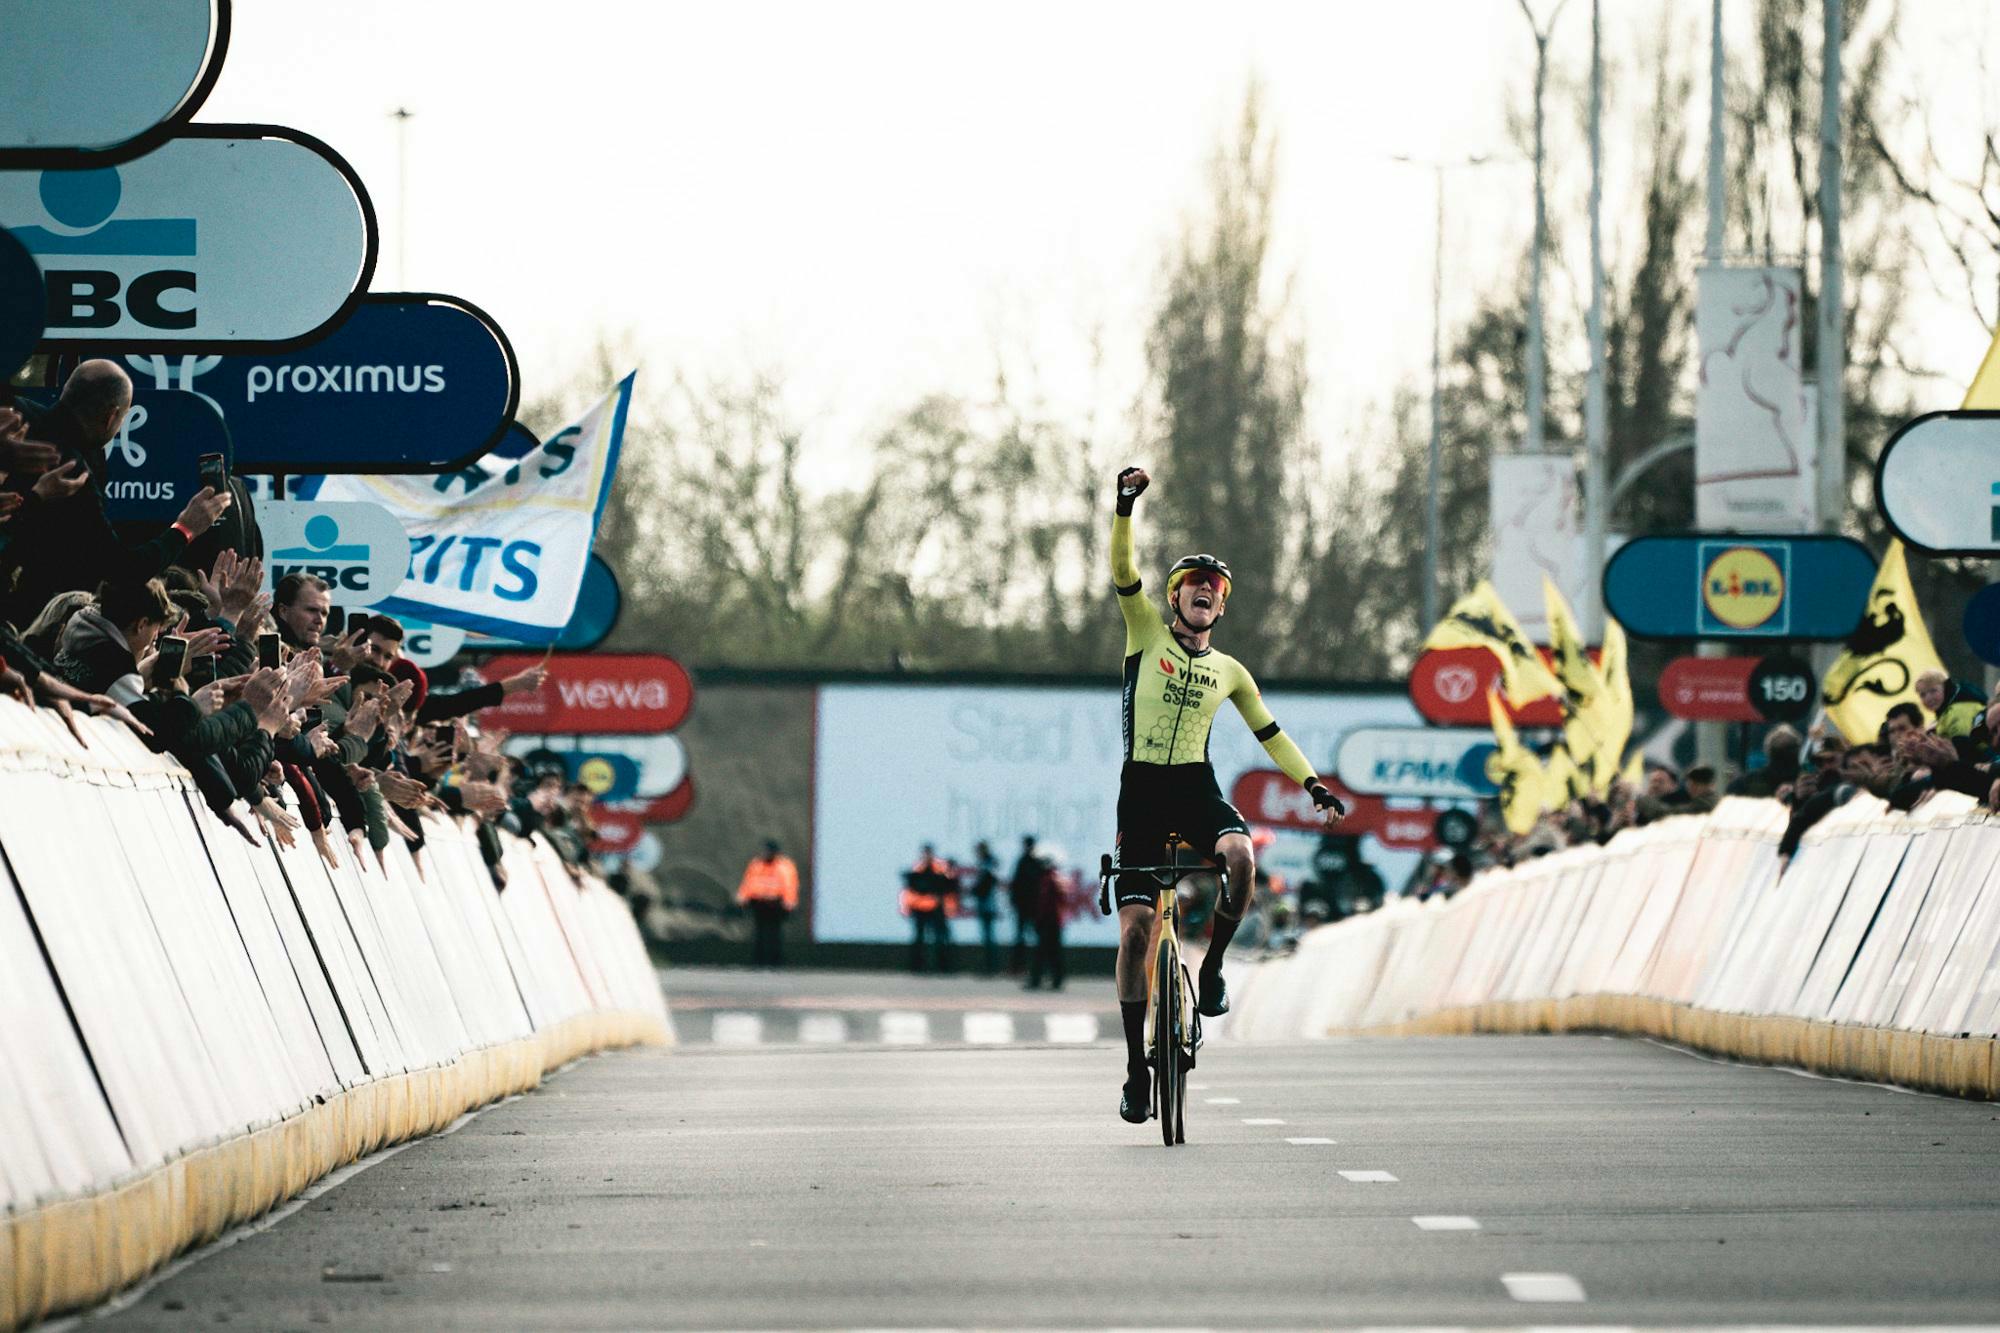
1938, 483
1731, 586
226, 237
358, 550
409, 382
1438, 762
104, 83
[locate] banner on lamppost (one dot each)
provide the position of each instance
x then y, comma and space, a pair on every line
1755, 459
1534, 517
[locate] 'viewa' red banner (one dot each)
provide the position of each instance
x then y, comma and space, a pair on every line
595, 693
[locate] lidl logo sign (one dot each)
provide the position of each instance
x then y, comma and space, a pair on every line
1743, 588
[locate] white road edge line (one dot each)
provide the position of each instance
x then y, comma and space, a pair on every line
131, 1296
823, 1029
1538, 1288
903, 1027
1446, 1222
989, 1028
1070, 1027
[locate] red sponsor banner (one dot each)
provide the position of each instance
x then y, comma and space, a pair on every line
617, 830
1449, 685
1266, 796
594, 693
1709, 689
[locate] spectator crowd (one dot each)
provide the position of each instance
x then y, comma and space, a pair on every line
288, 727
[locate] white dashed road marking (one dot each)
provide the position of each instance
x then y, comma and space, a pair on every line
902, 1028
1222, 1101
823, 1029
1263, 1120
1447, 1223
989, 1029
732, 1029
1368, 1177
1542, 1287
1309, 1141
1071, 1027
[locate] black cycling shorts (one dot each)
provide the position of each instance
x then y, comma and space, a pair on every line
1156, 801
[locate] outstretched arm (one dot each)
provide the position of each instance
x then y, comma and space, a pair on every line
1283, 751
1140, 617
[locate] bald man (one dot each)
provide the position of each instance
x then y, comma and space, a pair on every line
60, 539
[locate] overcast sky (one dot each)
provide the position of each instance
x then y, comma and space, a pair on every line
870, 199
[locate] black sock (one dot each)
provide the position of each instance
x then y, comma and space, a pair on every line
1218, 942
1134, 1014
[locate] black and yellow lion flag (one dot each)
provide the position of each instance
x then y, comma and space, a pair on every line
1481, 620
1886, 653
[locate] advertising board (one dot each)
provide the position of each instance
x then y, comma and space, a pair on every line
1726, 586
896, 766
84, 92
180, 250
592, 693
1447, 763
1937, 483
408, 382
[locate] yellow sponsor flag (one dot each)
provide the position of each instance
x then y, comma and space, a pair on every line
1481, 620
1886, 653
1634, 775
1582, 695
1515, 771
1564, 780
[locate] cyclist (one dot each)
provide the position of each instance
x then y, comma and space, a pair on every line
1174, 683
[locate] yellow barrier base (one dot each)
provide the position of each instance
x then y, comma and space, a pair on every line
1960, 1066
76, 1252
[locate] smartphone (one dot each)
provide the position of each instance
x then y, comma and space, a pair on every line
173, 656
214, 472
313, 719
336, 621
268, 653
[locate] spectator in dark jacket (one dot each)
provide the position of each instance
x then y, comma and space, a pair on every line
1024, 889
1781, 765
102, 646
60, 539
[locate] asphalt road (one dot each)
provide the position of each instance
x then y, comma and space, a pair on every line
1474, 1181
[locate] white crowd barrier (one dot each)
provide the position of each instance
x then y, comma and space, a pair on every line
193, 1029
1876, 953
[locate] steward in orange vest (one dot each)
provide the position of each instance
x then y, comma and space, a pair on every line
770, 889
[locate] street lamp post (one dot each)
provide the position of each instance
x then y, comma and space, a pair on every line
1433, 522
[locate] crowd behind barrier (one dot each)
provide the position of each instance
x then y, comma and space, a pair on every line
1874, 953
193, 1029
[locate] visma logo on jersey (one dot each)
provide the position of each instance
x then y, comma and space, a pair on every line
356, 548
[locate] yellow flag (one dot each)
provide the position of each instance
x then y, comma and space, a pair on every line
1886, 653
1565, 781
1572, 660
1481, 620
1985, 390
1614, 707
1634, 775
1515, 771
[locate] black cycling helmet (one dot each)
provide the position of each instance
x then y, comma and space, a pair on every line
1202, 560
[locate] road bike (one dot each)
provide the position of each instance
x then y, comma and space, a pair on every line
1174, 1027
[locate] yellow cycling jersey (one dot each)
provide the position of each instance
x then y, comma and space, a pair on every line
1172, 695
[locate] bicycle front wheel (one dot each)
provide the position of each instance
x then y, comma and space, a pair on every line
1169, 1077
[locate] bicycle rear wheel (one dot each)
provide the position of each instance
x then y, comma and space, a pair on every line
1169, 1077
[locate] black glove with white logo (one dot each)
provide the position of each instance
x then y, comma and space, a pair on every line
1324, 799
1132, 483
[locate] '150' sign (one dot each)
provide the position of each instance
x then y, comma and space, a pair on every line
594, 693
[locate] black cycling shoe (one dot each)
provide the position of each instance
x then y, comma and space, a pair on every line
1135, 1103
1214, 1002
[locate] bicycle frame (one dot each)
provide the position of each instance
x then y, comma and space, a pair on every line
1170, 1000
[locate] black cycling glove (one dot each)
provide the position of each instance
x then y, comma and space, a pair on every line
1128, 491
1324, 799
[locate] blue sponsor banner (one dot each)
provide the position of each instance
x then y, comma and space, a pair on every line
152, 466
1739, 586
598, 603
23, 305
409, 382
